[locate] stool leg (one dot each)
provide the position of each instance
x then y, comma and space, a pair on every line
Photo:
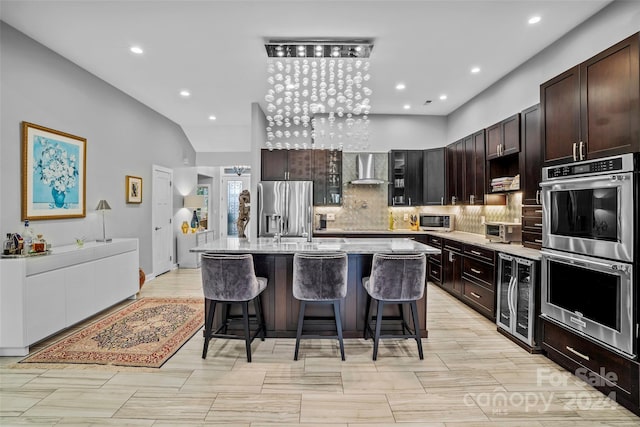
247, 333
367, 320
404, 322
260, 317
207, 327
336, 313
416, 328
225, 316
299, 332
376, 339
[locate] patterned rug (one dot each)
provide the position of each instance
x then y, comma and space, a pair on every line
145, 333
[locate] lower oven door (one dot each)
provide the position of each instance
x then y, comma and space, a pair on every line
592, 296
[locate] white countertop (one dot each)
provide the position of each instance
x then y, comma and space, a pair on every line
479, 240
319, 244
390, 232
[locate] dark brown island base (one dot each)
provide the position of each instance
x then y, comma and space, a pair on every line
274, 260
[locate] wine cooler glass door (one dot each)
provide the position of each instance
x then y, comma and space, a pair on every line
504, 315
523, 297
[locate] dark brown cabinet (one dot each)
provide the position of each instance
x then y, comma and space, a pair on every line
434, 177
530, 156
278, 165
474, 161
503, 138
455, 173
327, 177
592, 110
405, 177
434, 265
452, 266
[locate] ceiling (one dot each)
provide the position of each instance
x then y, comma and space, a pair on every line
215, 49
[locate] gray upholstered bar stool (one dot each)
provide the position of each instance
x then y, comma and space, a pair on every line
395, 279
231, 279
319, 278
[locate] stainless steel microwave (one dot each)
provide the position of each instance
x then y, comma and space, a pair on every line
503, 232
437, 222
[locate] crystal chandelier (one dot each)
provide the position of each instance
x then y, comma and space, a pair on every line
318, 94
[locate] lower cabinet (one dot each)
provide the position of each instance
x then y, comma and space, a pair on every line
187, 241
614, 375
468, 272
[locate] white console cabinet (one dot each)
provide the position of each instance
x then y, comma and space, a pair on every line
187, 241
45, 294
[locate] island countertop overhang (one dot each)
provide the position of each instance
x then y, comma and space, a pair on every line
265, 245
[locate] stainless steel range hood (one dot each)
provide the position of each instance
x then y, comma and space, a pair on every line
365, 168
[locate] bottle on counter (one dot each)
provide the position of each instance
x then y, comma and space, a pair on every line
392, 221
28, 237
7, 245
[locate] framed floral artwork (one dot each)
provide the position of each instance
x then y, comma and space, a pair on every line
134, 189
53, 173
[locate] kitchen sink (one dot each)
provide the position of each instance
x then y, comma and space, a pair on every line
319, 240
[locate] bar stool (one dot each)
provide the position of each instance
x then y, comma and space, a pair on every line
395, 279
319, 278
231, 279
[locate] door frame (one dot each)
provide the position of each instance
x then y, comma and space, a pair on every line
154, 216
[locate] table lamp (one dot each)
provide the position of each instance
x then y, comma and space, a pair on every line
103, 206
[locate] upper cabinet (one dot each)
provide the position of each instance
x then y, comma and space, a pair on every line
593, 109
433, 184
279, 165
474, 165
455, 172
503, 138
405, 177
531, 156
327, 177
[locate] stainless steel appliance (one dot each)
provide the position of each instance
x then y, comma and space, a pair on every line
437, 222
503, 232
588, 207
285, 208
517, 287
365, 169
590, 249
592, 296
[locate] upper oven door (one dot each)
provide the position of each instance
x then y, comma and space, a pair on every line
590, 215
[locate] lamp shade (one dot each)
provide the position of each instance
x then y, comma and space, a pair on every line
194, 202
103, 205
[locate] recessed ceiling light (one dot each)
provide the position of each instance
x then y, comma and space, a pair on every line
534, 20
475, 70
400, 86
185, 93
443, 97
212, 117
406, 106
137, 50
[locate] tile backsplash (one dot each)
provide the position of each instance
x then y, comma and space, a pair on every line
365, 207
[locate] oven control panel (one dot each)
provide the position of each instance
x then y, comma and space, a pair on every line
585, 168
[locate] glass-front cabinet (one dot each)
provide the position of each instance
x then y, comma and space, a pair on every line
516, 314
327, 178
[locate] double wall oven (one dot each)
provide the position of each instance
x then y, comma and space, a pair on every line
590, 249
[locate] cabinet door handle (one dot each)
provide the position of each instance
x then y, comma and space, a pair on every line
581, 151
476, 271
577, 353
537, 225
575, 157
538, 241
475, 252
453, 200
409, 199
475, 295
523, 326
442, 201
538, 211
451, 257
538, 197
472, 199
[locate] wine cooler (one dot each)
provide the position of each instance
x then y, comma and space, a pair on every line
517, 291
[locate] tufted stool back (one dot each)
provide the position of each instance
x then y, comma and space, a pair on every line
230, 277
319, 276
397, 277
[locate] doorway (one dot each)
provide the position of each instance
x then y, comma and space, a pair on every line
230, 188
161, 220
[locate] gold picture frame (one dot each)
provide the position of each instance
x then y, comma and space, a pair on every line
53, 173
133, 189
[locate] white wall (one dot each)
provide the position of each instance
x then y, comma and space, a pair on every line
521, 88
124, 137
410, 132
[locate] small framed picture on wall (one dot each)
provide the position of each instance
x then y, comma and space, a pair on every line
134, 189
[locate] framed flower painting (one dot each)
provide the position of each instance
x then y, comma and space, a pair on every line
53, 173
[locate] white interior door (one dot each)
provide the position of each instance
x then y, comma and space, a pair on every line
161, 219
230, 188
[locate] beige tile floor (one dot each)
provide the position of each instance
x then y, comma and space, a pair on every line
471, 376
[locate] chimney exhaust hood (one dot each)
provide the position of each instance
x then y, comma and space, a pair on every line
365, 168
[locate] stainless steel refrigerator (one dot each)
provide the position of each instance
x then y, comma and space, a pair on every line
285, 207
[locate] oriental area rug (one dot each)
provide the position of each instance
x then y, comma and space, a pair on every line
145, 333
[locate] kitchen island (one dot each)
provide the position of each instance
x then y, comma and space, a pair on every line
274, 260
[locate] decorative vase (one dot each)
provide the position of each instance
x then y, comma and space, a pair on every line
195, 222
58, 197
185, 227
